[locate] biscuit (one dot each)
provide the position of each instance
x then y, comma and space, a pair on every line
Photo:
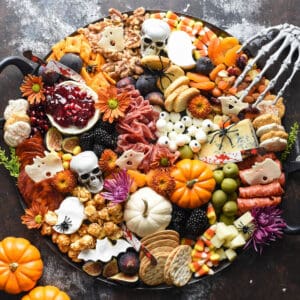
265, 119
179, 270
150, 274
170, 74
269, 127
182, 80
167, 266
180, 103
161, 237
157, 249
155, 62
273, 133
160, 233
275, 144
169, 102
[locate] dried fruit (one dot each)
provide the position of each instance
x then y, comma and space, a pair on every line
69, 143
111, 268
93, 268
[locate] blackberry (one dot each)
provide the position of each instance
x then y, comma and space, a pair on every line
108, 127
104, 138
98, 149
204, 65
196, 224
86, 141
179, 218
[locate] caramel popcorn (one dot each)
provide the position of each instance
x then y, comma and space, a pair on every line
46, 229
82, 194
85, 242
63, 242
50, 218
94, 229
103, 214
74, 255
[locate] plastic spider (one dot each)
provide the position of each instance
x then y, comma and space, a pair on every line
161, 72
91, 68
65, 225
246, 229
223, 133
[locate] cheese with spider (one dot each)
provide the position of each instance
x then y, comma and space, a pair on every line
240, 136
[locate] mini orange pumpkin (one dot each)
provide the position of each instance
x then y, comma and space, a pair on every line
48, 292
20, 265
194, 183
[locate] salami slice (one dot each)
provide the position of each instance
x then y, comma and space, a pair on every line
247, 204
259, 190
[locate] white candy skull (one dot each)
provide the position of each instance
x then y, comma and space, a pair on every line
85, 164
154, 36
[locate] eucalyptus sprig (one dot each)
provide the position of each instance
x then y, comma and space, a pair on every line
11, 162
291, 140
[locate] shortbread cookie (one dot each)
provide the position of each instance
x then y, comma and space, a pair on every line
180, 103
265, 119
267, 128
271, 134
183, 80
155, 62
169, 102
275, 144
170, 75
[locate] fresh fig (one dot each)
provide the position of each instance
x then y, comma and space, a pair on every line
146, 84
93, 268
53, 139
72, 61
123, 278
49, 77
155, 98
111, 268
129, 263
69, 143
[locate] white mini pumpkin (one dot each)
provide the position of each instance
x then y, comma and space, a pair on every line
147, 212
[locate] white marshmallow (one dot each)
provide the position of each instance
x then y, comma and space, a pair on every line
201, 136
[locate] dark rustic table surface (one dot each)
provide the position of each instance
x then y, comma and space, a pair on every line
38, 24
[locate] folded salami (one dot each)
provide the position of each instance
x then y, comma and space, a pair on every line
249, 203
259, 190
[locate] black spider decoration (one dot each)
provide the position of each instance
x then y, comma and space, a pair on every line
246, 229
223, 133
91, 68
161, 72
65, 225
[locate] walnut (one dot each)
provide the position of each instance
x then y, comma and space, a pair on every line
74, 255
46, 229
82, 193
50, 218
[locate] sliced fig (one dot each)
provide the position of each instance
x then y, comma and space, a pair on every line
93, 268
53, 139
129, 262
121, 277
69, 143
111, 268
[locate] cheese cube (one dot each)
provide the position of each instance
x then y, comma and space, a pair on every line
237, 242
222, 231
216, 241
231, 254
221, 253
233, 232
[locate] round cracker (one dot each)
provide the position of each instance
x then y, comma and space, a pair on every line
273, 133
179, 270
159, 233
182, 80
158, 249
167, 266
155, 62
266, 128
159, 243
180, 103
153, 275
265, 119
171, 74
169, 102
275, 144
161, 237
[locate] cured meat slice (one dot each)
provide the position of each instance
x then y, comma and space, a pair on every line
247, 204
259, 190
249, 161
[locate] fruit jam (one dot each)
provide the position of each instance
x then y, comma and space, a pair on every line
70, 106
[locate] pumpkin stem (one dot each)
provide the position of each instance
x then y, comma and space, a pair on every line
145, 212
13, 266
190, 183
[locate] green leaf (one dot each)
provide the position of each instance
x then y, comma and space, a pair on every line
11, 162
290, 141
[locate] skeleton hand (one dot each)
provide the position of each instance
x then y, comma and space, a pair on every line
289, 36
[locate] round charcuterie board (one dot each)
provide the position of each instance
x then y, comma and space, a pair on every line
150, 149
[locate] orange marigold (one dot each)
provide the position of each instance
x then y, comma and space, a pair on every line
64, 181
34, 216
111, 103
199, 107
33, 88
107, 161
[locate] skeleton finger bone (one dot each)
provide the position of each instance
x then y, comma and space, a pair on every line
289, 36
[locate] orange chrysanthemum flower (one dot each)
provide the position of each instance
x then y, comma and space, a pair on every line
107, 161
34, 216
161, 181
199, 107
111, 103
33, 88
64, 181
